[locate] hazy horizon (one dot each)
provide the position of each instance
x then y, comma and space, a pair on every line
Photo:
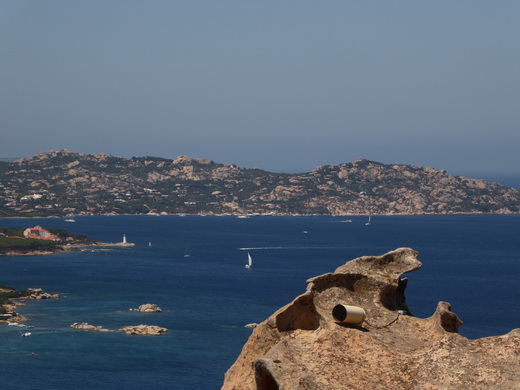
509, 180
280, 86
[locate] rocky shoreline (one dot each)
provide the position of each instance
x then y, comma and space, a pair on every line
275, 214
8, 305
9, 316
93, 246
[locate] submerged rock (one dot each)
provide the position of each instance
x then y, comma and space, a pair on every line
301, 346
148, 308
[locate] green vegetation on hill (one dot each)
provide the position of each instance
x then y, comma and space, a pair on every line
7, 293
61, 183
12, 232
64, 234
9, 245
11, 240
7, 242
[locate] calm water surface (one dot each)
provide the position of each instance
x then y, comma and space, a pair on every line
473, 262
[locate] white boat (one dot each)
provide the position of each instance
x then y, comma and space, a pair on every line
186, 254
368, 223
26, 334
150, 243
70, 220
249, 261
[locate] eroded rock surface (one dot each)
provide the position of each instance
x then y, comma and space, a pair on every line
301, 346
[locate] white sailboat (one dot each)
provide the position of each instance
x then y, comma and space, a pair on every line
368, 223
249, 260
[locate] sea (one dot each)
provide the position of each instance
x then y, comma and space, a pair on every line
193, 267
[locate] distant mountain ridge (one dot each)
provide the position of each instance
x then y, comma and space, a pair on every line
60, 183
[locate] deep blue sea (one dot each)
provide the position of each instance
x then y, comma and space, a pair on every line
471, 261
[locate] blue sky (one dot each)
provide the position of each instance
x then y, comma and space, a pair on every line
279, 85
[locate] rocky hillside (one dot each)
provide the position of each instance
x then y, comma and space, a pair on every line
60, 183
302, 346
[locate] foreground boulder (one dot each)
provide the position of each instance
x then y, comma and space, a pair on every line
144, 330
301, 346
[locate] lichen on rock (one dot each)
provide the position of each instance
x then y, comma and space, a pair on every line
301, 346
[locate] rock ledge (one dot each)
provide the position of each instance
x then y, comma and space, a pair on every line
301, 346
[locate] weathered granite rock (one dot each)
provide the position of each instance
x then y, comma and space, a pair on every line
38, 293
148, 308
144, 330
8, 307
301, 346
88, 327
356, 188
251, 325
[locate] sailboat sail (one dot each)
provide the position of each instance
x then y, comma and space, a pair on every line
249, 260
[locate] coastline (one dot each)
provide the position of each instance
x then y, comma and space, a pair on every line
8, 308
125, 274
70, 248
264, 215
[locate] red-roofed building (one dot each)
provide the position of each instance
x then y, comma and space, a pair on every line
40, 234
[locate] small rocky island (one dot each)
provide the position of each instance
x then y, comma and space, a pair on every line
144, 330
303, 346
136, 330
148, 308
90, 328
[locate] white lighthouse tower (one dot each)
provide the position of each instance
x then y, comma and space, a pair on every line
124, 238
